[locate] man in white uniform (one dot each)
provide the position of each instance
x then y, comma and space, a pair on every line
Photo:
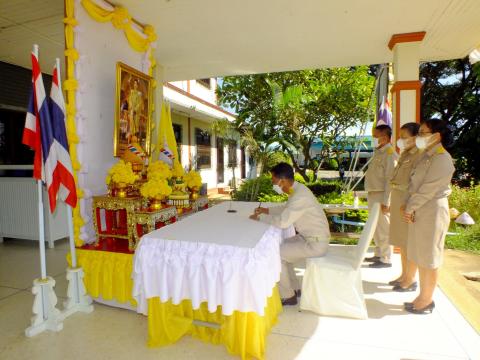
303, 211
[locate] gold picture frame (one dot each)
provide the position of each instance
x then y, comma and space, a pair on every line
133, 103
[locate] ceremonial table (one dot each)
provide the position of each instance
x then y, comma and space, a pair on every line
214, 268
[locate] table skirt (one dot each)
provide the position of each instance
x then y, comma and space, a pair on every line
108, 275
242, 333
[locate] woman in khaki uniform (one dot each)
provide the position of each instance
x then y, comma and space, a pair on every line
426, 209
399, 193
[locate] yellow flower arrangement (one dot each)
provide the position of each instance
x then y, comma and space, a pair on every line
121, 172
177, 169
155, 188
193, 179
159, 169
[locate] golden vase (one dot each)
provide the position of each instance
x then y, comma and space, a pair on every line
121, 190
156, 203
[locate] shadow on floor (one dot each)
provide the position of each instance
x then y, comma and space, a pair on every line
375, 287
377, 309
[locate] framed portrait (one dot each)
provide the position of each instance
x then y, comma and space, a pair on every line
133, 102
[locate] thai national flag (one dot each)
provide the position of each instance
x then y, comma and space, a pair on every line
63, 170
38, 135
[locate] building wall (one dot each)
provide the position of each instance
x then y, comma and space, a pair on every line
209, 175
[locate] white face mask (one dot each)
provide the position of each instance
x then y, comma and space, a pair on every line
422, 142
401, 144
277, 189
375, 142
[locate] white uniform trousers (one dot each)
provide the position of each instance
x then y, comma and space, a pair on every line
293, 250
383, 249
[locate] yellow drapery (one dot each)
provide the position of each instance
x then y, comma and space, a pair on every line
107, 274
121, 19
242, 333
70, 86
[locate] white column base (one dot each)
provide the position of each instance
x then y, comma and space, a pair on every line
78, 300
46, 315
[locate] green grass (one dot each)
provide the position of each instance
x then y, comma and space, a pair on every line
467, 238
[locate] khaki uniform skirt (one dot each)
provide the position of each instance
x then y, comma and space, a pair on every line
426, 236
398, 227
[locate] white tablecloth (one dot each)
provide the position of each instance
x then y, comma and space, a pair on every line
223, 258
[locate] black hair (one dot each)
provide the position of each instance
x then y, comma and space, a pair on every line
282, 171
412, 128
441, 127
385, 130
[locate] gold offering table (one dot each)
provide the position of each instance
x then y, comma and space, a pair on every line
127, 218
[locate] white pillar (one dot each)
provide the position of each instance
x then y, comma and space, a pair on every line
406, 87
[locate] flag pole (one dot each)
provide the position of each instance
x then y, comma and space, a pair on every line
46, 315
69, 208
41, 215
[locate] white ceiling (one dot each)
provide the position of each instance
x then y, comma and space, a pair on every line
206, 38
26, 22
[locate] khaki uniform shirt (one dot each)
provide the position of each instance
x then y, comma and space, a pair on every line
380, 171
401, 174
303, 211
430, 178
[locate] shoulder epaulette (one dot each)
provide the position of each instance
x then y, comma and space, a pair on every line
390, 151
441, 150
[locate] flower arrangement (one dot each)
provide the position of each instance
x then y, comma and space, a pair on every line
177, 170
192, 179
121, 173
155, 188
159, 170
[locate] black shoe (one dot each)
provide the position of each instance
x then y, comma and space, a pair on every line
426, 310
379, 265
394, 282
298, 293
290, 301
408, 305
399, 288
372, 259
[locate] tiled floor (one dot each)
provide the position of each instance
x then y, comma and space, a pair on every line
111, 333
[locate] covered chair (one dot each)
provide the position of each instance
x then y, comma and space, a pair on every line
332, 284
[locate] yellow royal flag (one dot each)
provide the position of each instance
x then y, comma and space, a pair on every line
166, 143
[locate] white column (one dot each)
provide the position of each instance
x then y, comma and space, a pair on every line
406, 87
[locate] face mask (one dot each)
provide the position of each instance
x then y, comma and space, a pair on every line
401, 144
422, 142
375, 142
277, 189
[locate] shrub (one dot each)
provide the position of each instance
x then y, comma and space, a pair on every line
299, 178
323, 187
246, 190
466, 199
265, 198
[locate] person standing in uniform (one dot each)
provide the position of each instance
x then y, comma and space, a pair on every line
377, 184
399, 192
427, 211
303, 211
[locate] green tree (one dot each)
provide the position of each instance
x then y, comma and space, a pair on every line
451, 92
293, 109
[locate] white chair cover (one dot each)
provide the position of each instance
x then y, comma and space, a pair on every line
332, 284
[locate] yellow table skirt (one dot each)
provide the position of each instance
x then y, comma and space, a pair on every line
243, 333
108, 274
